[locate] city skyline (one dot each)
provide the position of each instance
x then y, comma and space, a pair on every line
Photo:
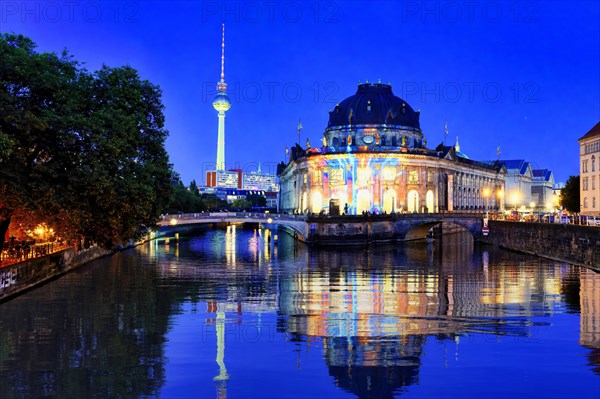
524, 76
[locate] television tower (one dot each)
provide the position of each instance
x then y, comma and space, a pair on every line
221, 103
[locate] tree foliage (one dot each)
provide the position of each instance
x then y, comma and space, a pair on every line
257, 200
569, 195
83, 151
185, 199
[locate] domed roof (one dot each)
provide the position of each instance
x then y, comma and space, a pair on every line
374, 104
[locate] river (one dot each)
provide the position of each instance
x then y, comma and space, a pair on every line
229, 313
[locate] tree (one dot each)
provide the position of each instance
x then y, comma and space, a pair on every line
241, 203
194, 188
185, 200
257, 200
569, 195
83, 151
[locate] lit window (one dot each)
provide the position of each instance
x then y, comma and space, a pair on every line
336, 176
317, 178
413, 176
305, 178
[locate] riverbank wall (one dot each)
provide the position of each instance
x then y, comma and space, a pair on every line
23, 276
17, 278
578, 245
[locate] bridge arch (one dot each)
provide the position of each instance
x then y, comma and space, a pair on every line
420, 230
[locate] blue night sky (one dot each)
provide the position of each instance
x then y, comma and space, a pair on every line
523, 74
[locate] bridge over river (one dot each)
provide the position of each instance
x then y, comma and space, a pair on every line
336, 230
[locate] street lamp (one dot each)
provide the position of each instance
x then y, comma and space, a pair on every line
501, 199
486, 196
515, 198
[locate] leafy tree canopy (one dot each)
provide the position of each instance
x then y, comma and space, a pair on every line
81, 150
569, 195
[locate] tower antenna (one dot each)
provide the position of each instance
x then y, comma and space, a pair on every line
223, 56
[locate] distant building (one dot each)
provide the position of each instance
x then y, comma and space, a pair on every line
518, 183
589, 156
232, 194
542, 184
260, 181
224, 178
556, 194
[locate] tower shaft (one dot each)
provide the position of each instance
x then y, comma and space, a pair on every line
221, 142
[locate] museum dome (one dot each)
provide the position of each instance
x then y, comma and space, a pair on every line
374, 104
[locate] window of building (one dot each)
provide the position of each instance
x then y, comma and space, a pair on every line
585, 183
594, 202
585, 202
305, 178
593, 163
413, 176
584, 166
593, 182
336, 176
317, 178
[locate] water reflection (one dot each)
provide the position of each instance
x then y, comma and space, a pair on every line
373, 313
590, 316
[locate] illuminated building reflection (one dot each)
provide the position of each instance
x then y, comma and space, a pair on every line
374, 314
590, 316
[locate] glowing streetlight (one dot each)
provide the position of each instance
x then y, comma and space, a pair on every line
515, 198
486, 195
173, 222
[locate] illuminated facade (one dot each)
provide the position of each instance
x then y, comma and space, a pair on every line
260, 181
374, 158
589, 161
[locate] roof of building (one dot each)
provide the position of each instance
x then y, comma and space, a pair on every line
516, 164
374, 104
546, 174
595, 131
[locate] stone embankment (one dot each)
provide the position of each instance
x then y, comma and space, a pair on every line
578, 245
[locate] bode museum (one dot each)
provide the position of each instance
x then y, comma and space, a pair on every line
374, 158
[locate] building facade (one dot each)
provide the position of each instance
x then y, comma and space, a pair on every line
589, 185
542, 184
260, 181
374, 158
224, 178
518, 183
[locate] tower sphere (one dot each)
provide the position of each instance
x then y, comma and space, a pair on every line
221, 102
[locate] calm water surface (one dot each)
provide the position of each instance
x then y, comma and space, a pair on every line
226, 314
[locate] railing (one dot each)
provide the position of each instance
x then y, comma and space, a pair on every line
19, 253
231, 215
